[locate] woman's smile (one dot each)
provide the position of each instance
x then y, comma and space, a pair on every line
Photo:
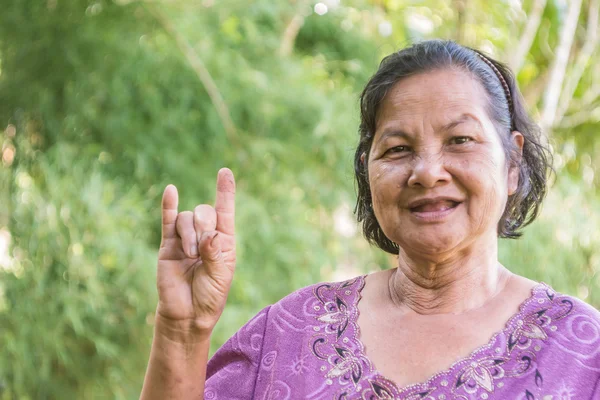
434, 212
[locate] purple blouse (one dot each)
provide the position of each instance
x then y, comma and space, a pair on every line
307, 346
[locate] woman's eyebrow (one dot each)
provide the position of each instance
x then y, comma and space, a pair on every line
394, 132
461, 120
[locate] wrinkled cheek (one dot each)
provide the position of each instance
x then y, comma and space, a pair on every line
385, 186
488, 208
380, 206
378, 197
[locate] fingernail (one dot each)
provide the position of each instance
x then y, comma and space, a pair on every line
194, 251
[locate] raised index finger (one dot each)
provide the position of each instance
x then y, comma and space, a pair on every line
169, 212
225, 201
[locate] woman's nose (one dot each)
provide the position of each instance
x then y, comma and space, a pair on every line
428, 170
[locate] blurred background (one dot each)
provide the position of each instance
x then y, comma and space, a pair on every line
104, 102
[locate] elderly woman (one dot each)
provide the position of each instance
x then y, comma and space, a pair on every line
448, 162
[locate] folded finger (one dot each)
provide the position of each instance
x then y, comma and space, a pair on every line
187, 233
205, 219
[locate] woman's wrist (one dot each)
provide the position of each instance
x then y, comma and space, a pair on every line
181, 333
177, 366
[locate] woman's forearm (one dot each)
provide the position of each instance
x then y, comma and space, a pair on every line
177, 366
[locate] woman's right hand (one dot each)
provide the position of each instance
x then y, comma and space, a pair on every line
196, 262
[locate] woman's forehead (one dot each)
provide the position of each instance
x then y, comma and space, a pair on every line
438, 98
451, 79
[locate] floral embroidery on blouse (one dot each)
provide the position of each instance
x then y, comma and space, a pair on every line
509, 354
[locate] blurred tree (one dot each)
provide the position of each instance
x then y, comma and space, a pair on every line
109, 103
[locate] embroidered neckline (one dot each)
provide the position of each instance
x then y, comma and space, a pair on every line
509, 327
510, 352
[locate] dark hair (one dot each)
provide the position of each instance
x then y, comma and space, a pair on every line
505, 107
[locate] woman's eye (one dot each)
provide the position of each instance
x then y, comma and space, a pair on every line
461, 139
398, 149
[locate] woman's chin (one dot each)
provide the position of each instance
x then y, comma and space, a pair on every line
434, 242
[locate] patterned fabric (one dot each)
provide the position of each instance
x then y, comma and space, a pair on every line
307, 346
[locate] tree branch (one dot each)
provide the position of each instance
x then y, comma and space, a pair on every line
290, 34
533, 23
567, 33
590, 96
587, 115
200, 69
583, 58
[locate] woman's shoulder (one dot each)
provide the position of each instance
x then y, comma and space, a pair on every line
571, 328
310, 301
585, 308
543, 299
325, 291
574, 305
301, 307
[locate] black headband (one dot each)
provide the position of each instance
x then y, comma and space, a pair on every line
502, 81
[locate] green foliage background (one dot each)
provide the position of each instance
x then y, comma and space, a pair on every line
104, 105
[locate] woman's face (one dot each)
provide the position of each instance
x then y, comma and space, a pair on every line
434, 139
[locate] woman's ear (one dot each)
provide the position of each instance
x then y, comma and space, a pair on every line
362, 158
515, 163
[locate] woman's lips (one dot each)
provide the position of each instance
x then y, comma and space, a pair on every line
434, 212
437, 206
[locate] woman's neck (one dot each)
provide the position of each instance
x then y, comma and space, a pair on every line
452, 286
